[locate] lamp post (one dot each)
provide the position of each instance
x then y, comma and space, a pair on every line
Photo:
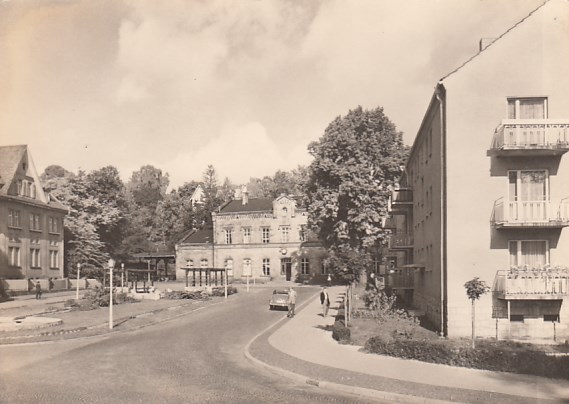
78, 276
122, 277
111, 266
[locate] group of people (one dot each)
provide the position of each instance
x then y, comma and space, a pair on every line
324, 301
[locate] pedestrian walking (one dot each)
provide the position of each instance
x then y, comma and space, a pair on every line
38, 290
324, 301
291, 302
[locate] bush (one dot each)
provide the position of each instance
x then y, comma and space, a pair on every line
221, 291
501, 356
340, 332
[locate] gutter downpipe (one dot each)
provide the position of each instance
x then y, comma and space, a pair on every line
440, 93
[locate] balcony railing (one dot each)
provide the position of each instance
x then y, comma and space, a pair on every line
530, 137
530, 213
400, 280
532, 284
400, 198
401, 240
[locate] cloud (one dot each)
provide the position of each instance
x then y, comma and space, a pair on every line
238, 153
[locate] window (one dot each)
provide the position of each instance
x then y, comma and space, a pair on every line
13, 218
228, 236
266, 266
203, 263
304, 266
285, 230
54, 259
20, 187
228, 265
35, 258
323, 268
265, 235
246, 235
302, 233
527, 108
247, 267
33, 193
551, 317
189, 263
519, 318
14, 256
528, 195
284, 211
53, 225
533, 253
35, 222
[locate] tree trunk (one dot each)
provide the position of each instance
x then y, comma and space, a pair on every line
473, 324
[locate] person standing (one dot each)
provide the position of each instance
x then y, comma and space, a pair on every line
324, 301
291, 302
38, 290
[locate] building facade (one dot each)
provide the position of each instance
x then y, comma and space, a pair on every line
255, 238
31, 221
485, 191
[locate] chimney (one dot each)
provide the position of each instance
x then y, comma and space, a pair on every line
244, 195
484, 43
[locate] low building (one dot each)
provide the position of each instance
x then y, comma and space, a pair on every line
259, 238
31, 221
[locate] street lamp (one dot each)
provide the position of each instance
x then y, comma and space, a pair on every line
78, 276
111, 266
122, 277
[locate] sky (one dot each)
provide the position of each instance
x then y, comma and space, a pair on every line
243, 85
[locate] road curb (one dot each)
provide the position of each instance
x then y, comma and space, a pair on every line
331, 386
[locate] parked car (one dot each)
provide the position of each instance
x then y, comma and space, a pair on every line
279, 299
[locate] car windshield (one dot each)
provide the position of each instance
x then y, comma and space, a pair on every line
280, 292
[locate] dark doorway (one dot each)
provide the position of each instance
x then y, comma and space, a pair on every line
286, 268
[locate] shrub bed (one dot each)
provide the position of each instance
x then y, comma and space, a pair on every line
500, 356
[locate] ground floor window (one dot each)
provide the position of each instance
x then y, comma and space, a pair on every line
304, 266
247, 267
266, 266
323, 268
35, 257
14, 256
54, 259
228, 265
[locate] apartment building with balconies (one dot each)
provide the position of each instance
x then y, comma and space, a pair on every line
485, 191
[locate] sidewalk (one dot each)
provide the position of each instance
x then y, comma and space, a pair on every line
303, 349
77, 324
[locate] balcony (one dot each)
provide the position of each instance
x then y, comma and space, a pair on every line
534, 214
388, 223
400, 241
530, 137
532, 284
400, 280
400, 201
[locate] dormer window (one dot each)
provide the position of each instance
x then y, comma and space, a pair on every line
527, 108
24, 166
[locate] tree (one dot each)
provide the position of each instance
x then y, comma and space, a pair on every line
212, 199
148, 186
109, 190
87, 215
356, 161
474, 289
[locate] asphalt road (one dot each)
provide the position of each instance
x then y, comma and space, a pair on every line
196, 358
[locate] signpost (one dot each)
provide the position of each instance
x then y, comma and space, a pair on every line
78, 276
111, 266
